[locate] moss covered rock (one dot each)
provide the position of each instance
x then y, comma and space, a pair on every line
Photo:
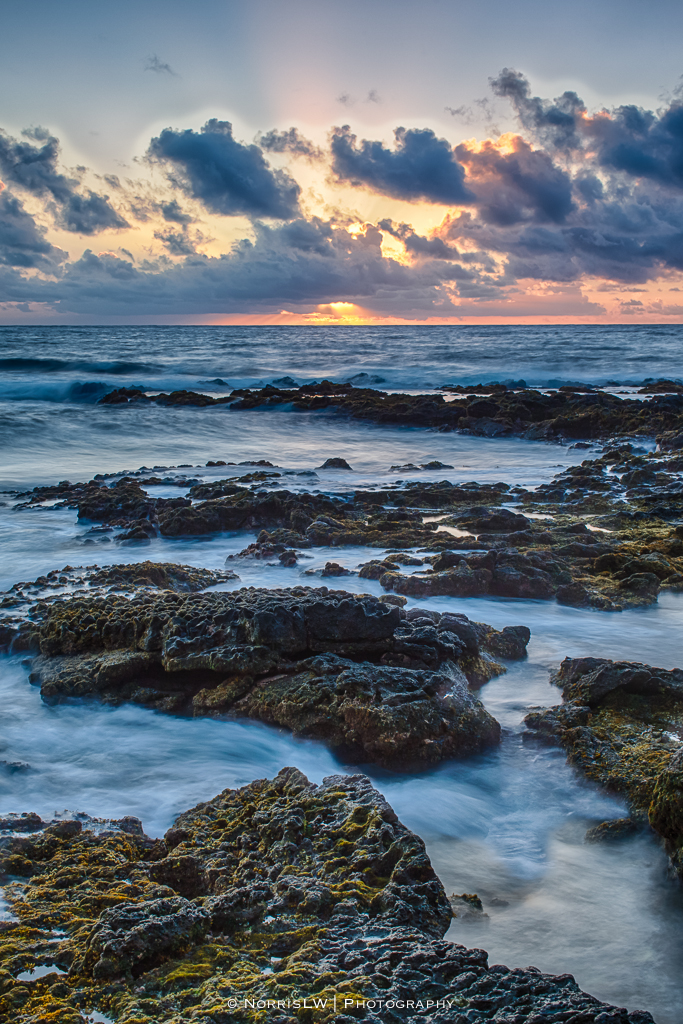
307, 904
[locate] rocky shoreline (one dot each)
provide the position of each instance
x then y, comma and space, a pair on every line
243, 895
373, 681
281, 901
606, 534
621, 724
494, 410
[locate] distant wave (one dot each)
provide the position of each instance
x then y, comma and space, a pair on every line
66, 365
56, 391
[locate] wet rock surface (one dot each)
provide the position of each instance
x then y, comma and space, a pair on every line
280, 891
357, 672
621, 724
28, 599
568, 412
605, 534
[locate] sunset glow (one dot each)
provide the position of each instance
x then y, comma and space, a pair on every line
530, 199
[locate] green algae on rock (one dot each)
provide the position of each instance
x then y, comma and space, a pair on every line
361, 674
29, 599
280, 901
622, 726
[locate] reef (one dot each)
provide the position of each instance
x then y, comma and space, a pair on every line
364, 675
499, 410
281, 901
621, 724
607, 533
27, 599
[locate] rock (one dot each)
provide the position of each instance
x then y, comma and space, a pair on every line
511, 642
645, 583
334, 569
467, 907
27, 822
504, 574
499, 520
313, 887
665, 812
136, 935
590, 680
335, 463
403, 558
386, 714
160, 575
458, 582
573, 594
619, 726
64, 829
613, 830
374, 569
386, 685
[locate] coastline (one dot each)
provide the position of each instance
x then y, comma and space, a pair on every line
601, 535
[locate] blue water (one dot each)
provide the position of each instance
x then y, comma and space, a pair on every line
509, 824
48, 361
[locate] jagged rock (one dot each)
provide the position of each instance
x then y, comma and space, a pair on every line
388, 685
381, 713
613, 830
574, 414
303, 887
666, 809
620, 725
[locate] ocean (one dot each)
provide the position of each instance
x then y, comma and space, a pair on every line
508, 824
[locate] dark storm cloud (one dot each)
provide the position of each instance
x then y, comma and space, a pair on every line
22, 242
173, 212
303, 262
638, 142
34, 168
227, 177
517, 186
421, 166
554, 122
621, 237
290, 141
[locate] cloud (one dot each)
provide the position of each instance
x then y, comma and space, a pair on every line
290, 141
178, 243
574, 197
553, 122
173, 213
418, 245
421, 166
303, 263
154, 64
22, 243
511, 187
228, 177
637, 142
33, 168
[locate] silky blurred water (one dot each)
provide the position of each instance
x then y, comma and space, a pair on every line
509, 824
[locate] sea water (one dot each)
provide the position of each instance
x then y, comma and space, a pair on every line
508, 824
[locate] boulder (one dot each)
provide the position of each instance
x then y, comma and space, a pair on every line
309, 886
354, 671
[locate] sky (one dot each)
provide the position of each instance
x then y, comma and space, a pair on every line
311, 161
